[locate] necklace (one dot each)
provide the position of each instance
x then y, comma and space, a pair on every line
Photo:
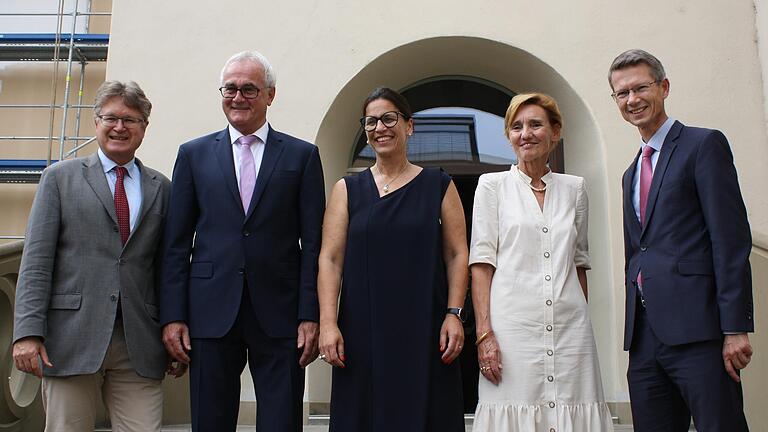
385, 188
535, 189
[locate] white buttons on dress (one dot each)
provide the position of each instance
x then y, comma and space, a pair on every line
550, 378
547, 277
549, 302
546, 254
545, 229
551, 404
550, 353
549, 328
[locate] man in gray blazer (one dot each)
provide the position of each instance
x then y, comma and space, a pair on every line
86, 316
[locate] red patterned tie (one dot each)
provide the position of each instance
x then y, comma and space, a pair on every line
121, 205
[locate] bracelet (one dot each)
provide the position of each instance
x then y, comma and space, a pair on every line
483, 337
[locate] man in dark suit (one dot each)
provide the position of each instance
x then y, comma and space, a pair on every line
688, 280
240, 276
86, 303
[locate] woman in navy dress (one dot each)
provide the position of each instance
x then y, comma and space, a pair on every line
393, 275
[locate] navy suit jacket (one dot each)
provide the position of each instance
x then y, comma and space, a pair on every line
694, 246
211, 244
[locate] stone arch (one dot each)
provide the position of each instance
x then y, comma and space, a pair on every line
509, 67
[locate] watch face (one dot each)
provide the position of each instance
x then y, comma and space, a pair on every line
459, 312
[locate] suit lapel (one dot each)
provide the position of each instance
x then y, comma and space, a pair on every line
94, 175
150, 186
628, 183
222, 149
273, 148
661, 167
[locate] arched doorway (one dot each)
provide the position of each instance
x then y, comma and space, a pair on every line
423, 70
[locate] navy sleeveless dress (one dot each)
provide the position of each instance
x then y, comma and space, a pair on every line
393, 301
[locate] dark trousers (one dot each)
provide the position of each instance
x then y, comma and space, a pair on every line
215, 377
669, 384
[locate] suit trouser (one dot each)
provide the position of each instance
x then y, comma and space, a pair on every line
216, 366
668, 384
133, 403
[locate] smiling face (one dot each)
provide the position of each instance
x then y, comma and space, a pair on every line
384, 140
642, 109
532, 135
246, 115
118, 142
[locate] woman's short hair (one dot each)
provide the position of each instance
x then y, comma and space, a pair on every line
545, 101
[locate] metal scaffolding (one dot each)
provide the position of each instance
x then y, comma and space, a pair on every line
58, 48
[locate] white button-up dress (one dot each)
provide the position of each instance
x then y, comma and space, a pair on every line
551, 376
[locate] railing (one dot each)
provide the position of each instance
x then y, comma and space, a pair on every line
21, 407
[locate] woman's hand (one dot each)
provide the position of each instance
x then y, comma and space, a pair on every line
332, 345
451, 338
489, 358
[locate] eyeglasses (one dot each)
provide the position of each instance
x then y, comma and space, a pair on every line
641, 89
388, 119
128, 122
248, 91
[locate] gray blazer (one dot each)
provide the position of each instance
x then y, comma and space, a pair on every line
74, 267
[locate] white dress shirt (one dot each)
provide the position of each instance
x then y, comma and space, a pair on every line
257, 148
656, 141
131, 182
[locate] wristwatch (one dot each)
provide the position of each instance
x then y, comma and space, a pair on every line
460, 313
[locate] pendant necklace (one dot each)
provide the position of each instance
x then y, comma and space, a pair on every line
385, 188
535, 189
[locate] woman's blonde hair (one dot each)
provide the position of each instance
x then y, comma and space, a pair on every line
545, 101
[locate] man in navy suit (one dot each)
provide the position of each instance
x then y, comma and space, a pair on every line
688, 280
240, 258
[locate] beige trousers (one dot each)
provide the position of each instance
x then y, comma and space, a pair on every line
133, 403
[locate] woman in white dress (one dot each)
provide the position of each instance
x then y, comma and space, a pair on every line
529, 259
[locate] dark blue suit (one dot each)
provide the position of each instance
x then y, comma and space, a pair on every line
243, 282
693, 250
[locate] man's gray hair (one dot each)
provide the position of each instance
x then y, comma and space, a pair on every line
635, 57
253, 56
132, 95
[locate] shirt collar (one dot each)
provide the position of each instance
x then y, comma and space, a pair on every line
657, 140
545, 178
108, 164
261, 133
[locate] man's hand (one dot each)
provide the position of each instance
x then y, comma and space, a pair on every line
737, 353
307, 340
176, 341
27, 353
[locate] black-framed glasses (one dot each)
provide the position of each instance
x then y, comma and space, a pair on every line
388, 119
248, 91
129, 122
638, 90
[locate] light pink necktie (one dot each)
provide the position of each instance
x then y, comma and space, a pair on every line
646, 176
247, 168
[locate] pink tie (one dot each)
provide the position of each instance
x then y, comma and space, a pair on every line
646, 175
247, 169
